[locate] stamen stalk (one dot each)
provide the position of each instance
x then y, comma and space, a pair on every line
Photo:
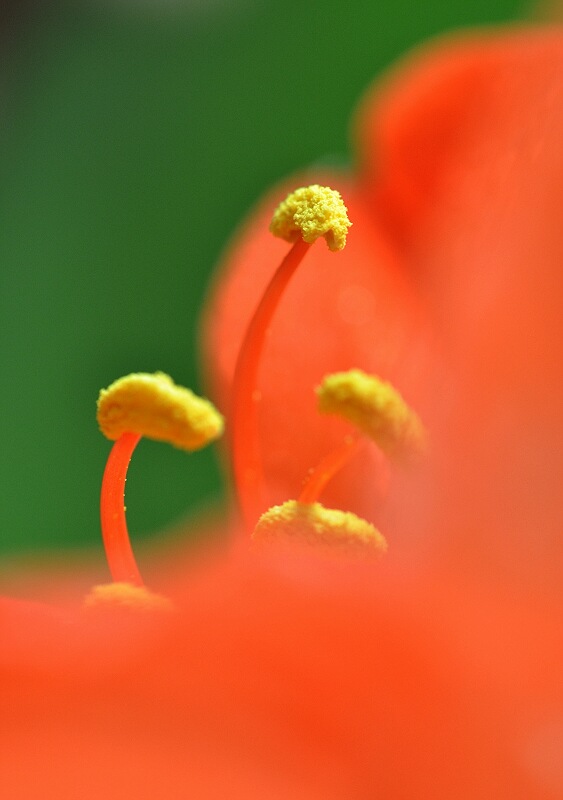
247, 462
119, 554
328, 467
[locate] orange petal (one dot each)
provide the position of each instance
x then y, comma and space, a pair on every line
275, 680
447, 109
463, 160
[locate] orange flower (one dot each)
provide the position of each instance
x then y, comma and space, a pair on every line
434, 672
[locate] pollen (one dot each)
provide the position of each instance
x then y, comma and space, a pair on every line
311, 526
153, 406
377, 409
311, 212
127, 597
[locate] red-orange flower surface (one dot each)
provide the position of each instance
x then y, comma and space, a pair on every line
434, 672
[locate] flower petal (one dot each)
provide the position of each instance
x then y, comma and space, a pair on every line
463, 161
277, 680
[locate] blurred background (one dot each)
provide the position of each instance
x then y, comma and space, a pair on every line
134, 136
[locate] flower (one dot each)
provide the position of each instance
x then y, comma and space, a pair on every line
434, 672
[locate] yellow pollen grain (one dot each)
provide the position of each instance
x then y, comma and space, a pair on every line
311, 526
127, 597
153, 406
376, 408
310, 212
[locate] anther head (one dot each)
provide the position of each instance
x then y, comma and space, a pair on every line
376, 408
125, 596
311, 526
311, 212
153, 406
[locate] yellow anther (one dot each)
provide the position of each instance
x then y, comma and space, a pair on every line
311, 525
376, 408
311, 212
153, 406
126, 596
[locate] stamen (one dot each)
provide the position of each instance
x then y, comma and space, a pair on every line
126, 596
143, 405
304, 216
312, 526
377, 409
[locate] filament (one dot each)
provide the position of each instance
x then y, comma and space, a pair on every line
247, 462
328, 468
119, 554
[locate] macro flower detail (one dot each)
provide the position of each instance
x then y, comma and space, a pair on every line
355, 308
376, 408
434, 672
153, 406
137, 405
126, 596
321, 530
305, 215
311, 212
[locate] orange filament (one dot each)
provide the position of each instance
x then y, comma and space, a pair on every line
119, 554
328, 468
306, 215
247, 462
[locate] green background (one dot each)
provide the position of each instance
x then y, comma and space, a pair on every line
134, 136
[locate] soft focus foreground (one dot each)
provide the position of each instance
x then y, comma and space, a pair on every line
435, 672
281, 680
463, 162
